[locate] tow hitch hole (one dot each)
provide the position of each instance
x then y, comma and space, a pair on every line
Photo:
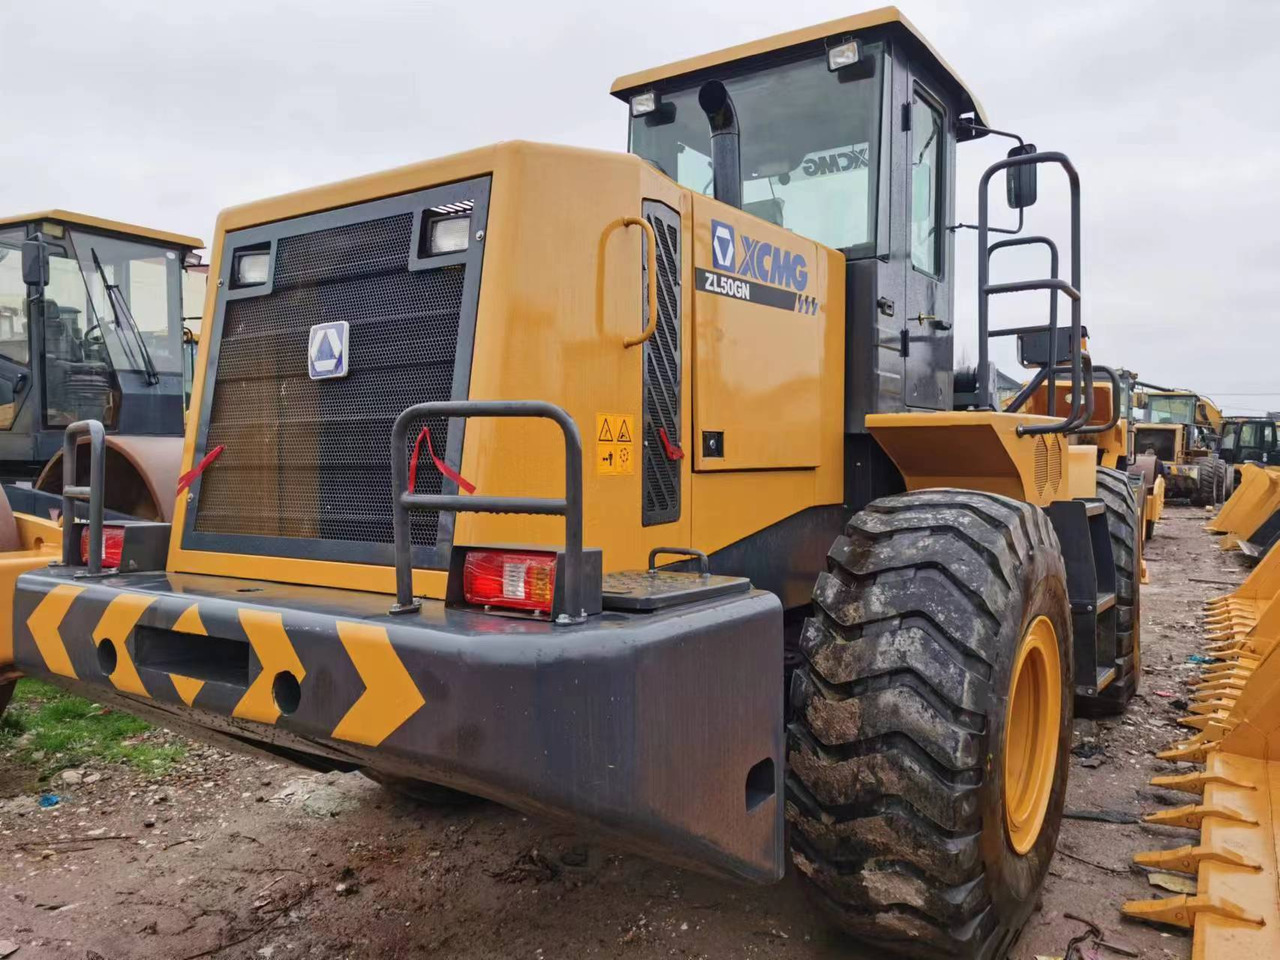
287, 692
108, 656
759, 783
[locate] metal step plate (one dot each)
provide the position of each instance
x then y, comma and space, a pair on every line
656, 589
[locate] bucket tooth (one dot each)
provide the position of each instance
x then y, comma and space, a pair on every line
1193, 815
1203, 722
1229, 683
1188, 859
1196, 782
1182, 910
1213, 731
1224, 671
1215, 696
1206, 708
1191, 751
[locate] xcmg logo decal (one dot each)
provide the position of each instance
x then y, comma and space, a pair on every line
722, 246
780, 275
840, 160
763, 261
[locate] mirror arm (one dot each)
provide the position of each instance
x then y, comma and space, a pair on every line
973, 226
981, 131
984, 131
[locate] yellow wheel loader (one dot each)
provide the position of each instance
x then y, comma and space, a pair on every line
631, 489
1183, 430
91, 327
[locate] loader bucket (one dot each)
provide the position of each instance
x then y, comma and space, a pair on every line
1235, 716
1253, 504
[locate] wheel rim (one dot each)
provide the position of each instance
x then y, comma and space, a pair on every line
1032, 727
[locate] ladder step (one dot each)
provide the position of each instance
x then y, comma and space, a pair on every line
1099, 604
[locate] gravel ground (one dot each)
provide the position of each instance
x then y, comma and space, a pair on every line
231, 857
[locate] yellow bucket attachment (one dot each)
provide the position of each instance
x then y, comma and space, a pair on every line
1254, 501
1235, 912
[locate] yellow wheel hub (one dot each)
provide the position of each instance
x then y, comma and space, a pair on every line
1032, 724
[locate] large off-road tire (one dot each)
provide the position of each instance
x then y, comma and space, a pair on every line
1123, 517
1206, 483
1225, 483
901, 736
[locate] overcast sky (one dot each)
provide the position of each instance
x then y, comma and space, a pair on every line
163, 113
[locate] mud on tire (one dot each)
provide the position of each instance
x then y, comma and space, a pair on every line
896, 733
1123, 516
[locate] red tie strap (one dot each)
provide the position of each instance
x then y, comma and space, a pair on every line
444, 468
672, 451
188, 478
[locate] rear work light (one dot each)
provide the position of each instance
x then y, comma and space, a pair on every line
112, 546
513, 580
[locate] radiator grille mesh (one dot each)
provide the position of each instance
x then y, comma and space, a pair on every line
662, 375
308, 458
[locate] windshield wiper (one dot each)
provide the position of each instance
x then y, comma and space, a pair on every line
124, 320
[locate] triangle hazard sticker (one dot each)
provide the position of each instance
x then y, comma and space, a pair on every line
624, 435
606, 435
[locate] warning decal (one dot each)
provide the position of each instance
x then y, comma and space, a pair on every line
615, 446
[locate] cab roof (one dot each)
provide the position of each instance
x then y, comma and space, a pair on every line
110, 226
883, 16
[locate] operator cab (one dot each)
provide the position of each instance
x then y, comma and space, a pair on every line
90, 311
848, 135
1197, 414
1246, 439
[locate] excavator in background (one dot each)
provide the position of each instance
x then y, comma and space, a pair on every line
91, 327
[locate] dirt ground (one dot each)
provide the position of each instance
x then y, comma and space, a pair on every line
230, 857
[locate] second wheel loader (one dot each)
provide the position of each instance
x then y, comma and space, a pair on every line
1183, 429
91, 326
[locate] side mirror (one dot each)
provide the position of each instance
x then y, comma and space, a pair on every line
1020, 180
35, 262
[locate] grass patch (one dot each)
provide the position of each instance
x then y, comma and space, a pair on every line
49, 729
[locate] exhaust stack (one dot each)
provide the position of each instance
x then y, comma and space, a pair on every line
726, 162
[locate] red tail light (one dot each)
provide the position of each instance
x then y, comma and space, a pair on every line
505, 578
112, 545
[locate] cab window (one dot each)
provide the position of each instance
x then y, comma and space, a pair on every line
926, 185
810, 147
14, 344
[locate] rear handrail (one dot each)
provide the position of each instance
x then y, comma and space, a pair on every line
1053, 313
93, 493
1115, 402
569, 506
986, 289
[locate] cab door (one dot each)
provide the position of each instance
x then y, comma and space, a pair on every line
927, 319
15, 346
